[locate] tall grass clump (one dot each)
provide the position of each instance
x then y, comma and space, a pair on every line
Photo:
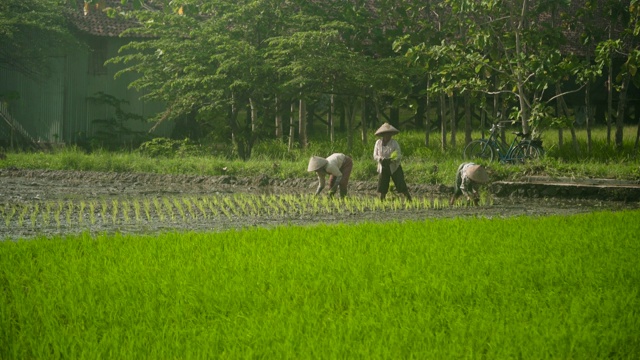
554, 287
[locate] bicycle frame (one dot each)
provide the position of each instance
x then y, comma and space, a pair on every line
520, 149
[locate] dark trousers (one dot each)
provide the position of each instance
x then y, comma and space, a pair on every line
398, 180
345, 169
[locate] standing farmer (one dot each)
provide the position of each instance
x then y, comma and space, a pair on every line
468, 178
338, 166
388, 155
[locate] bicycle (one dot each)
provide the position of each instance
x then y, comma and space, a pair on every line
519, 151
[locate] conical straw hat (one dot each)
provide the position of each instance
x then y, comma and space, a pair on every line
478, 174
387, 128
316, 162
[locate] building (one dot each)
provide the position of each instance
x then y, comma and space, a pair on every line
71, 105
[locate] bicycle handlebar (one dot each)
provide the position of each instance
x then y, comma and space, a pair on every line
499, 125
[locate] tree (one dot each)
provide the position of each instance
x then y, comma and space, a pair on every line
31, 31
208, 56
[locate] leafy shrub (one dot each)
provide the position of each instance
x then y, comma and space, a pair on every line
164, 147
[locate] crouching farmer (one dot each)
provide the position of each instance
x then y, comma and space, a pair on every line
338, 166
468, 178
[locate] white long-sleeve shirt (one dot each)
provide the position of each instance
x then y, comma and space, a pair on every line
381, 152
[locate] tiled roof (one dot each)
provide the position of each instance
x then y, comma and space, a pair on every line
92, 19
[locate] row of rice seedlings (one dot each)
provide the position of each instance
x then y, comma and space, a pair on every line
185, 209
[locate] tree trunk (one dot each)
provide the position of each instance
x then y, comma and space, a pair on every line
443, 122
635, 146
522, 96
332, 108
254, 115
609, 92
565, 109
292, 127
302, 124
454, 117
560, 130
427, 122
467, 119
363, 120
622, 105
236, 132
279, 128
350, 115
587, 104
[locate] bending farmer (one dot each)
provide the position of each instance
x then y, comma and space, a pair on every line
468, 178
338, 166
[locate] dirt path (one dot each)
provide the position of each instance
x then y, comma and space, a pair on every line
34, 203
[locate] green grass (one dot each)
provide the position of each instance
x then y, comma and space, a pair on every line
426, 165
532, 288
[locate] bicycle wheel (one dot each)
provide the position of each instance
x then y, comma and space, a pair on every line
479, 150
526, 152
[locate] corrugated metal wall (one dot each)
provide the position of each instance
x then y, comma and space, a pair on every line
57, 109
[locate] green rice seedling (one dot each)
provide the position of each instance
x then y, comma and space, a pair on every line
228, 207
137, 209
348, 205
114, 211
361, 204
92, 212
211, 207
239, 203
22, 215
265, 207
157, 205
190, 207
9, 215
104, 209
253, 204
169, 208
125, 210
58, 213
46, 213
146, 203
178, 205
82, 207
315, 204
302, 203
200, 203
34, 215
226, 212
272, 204
275, 204
327, 205
69, 212
436, 203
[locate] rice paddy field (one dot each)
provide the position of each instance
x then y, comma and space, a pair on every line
545, 287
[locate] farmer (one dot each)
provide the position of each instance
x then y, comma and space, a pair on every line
468, 178
338, 166
388, 155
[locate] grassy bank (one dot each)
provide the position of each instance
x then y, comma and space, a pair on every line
531, 288
430, 165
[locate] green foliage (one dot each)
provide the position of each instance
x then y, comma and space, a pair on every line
31, 31
164, 147
112, 133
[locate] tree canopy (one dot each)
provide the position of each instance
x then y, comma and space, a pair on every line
30, 31
222, 58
